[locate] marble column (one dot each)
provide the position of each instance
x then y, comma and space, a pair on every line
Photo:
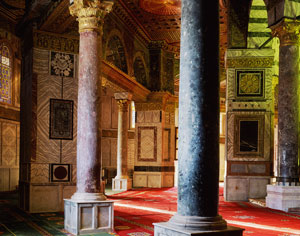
84, 211
122, 181
198, 147
288, 101
284, 195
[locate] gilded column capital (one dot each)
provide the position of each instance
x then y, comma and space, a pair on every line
90, 13
288, 32
123, 104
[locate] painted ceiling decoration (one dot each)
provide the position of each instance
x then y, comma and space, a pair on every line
161, 7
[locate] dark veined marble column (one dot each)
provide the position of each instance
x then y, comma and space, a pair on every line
198, 150
288, 101
90, 16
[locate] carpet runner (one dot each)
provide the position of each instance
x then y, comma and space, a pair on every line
136, 210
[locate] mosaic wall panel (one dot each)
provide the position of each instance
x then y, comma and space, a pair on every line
250, 84
148, 117
147, 144
9, 143
166, 144
130, 160
62, 64
5, 74
61, 119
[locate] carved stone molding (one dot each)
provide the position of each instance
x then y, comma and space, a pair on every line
288, 31
259, 62
90, 13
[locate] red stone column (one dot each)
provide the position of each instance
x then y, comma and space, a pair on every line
90, 16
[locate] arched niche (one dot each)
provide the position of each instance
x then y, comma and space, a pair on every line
115, 51
139, 69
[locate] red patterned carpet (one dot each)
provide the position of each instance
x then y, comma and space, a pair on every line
136, 210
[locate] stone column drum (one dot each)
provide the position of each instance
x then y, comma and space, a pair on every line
285, 194
87, 211
122, 181
198, 147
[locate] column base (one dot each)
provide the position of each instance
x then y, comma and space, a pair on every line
88, 217
167, 229
283, 198
121, 184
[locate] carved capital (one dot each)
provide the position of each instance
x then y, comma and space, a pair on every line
287, 31
123, 105
90, 13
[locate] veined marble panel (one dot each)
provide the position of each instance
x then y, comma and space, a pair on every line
291, 9
232, 141
39, 173
48, 150
40, 61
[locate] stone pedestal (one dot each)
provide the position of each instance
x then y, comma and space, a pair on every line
87, 217
86, 212
283, 198
165, 229
121, 184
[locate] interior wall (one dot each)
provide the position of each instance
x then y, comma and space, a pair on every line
109, 125
10, 119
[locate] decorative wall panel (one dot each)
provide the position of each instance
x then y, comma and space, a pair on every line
39, 173
60, 173
62, 64
147, 143
167, 144
250, 83
61, 119
5, 74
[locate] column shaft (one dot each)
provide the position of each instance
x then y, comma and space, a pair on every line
288, 114
288, 101
122, 151
89, 103
198, 148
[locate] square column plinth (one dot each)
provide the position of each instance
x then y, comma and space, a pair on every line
88, 217
121, 184
283, 198
165, 229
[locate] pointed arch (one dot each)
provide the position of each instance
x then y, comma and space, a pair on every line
140, 69
115, 51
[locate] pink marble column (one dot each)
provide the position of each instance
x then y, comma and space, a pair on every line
89, 104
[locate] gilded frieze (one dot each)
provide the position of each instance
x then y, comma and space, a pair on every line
253, 62
55, 42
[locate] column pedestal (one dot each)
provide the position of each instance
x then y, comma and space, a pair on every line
87, 212
167, 229
121, 184
87, 217
283, 198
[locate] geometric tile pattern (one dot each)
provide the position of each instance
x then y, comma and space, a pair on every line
147, 143
5, 74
